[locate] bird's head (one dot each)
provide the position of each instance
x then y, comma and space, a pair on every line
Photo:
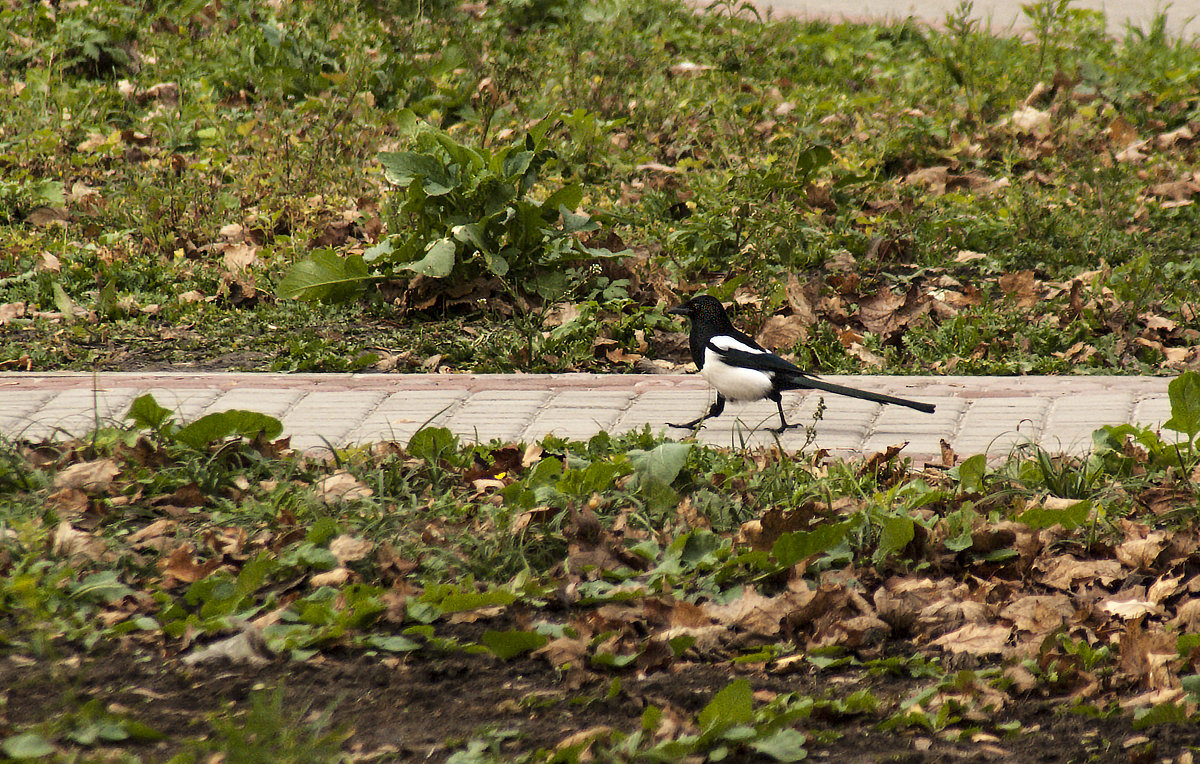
702, 307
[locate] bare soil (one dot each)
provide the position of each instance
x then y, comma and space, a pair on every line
424, 706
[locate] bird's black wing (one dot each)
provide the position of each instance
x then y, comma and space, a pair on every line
764, 361
788, 376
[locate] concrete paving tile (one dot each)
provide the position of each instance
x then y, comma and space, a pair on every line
974, 413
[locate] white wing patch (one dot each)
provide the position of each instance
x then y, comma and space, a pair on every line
736, 383
725, 342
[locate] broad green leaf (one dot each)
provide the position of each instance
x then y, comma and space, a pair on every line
393, 643
63, 302
225, 424
791, 548
496, 263
438, 261
1184, 392
575, 223
509, 644
550, 285
734, 704
1191, 684
679, 645
663, 463
470, 159
471, 233
146, 413
401, 168
895, 534
29, 745
101, 586
569, 196
516, 164
1163, 713
786, 744
971, 474
701, 546
432, 443
809, 162
1068, 517
48, 193
453, 603
651, 718
324, 276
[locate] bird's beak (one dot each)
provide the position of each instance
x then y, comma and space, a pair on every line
681, 310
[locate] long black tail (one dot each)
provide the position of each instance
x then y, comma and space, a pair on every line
797, 382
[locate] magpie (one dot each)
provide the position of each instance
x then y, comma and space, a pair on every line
742, 370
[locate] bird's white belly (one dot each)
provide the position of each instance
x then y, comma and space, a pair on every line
734, 382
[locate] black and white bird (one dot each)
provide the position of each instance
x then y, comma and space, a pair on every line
742, 370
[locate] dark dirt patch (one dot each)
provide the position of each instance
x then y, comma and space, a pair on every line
424, 706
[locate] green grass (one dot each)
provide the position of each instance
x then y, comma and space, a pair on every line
790, 148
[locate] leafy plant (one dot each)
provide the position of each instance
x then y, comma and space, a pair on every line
466, 212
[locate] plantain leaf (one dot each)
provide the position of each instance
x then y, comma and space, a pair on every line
324, 276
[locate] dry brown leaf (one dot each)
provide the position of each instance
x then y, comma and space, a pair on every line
1130, 608
563, 651
976, 639
47, 216
967, 256
247, 646
583, 739
1121, 133
1030, 120
886, 312
342, 486
802, 298
1064, 572
91, 476
156, 535
1179, 190
70, 501
1164, 587
754, 613
11, 310
781, 333
866, 356
48, 263
240, 256
335, 577
1022, 287
183, 566
1167, 140
1188, 616
687, 67
71, 542
1140, 554
347, 548
1039, 614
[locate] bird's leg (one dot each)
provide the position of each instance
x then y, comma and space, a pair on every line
714, 410
783, 425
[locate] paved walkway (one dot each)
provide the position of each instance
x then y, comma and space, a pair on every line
1001, 16
974, 414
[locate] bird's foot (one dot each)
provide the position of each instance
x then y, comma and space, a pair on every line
781, 429
685, 425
